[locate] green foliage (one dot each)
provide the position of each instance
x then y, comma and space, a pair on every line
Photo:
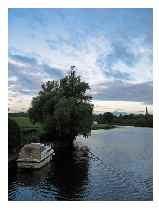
29, 132
107, 117
102, 126
14, 136
63, 108
24, 122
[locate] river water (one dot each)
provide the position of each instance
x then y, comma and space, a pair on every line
111, 164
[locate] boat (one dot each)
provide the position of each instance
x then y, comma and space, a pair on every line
35, 155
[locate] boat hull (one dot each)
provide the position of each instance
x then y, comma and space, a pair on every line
35, 164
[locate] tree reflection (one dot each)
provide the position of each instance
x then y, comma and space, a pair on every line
70, 175
65, 178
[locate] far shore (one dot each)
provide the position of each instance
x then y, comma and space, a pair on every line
112, 126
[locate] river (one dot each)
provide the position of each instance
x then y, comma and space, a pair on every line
115, 164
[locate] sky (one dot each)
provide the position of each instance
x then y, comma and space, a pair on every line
111, 48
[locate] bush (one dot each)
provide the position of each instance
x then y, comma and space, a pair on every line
14, 136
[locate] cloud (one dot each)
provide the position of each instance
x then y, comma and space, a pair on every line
22, 59
141, 70
101, 106
125, 60
114, 58
131, 60
108, 78
26, 75
84, 56
19, 103
119, 90
119, 70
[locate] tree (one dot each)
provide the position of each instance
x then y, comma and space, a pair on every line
63, 108
108, 117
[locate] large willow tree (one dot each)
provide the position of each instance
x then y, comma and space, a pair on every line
63, 108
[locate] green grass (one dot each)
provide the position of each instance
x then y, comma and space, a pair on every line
28, 129
25, 122
102, 126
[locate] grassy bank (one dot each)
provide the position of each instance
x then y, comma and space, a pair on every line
27, 128
102, 126
24, 122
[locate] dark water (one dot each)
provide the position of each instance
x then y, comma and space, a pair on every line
110, 165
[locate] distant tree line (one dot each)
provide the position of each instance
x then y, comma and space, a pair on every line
129, 120
18, 114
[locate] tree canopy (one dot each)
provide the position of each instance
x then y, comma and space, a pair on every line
63, 108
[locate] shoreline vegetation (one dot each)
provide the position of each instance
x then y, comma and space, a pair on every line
102, 126
27, 127
30, 132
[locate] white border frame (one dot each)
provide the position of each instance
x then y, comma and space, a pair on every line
4, 98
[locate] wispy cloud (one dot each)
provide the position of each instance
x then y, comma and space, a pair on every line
115, 59
85, 58
27, 73
140, 69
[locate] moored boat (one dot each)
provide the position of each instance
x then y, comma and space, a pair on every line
35, 155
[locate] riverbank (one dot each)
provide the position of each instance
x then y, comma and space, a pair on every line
102, 126
28, 127
111, 126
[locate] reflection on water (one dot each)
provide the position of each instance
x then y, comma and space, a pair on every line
110, 165
66, 177
70, 173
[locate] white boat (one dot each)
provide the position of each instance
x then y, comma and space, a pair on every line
35, 155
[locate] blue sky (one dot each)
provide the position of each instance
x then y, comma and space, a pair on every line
112, 49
